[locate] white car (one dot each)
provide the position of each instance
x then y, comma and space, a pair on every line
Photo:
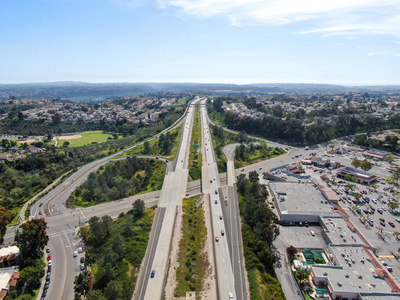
75, 253
230, 296
80, 250
312, 233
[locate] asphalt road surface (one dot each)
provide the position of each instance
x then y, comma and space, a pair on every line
172, 194
211, 185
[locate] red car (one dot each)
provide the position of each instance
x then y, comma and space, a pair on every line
391, 224
49, 257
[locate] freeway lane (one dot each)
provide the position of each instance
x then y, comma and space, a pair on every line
151, 249
211, 185
235, 233
171, 197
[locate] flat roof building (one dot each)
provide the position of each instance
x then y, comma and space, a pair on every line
297, 202
362, 177
337, 231
354, 273
378, 154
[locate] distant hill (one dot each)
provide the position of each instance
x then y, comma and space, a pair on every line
83, 91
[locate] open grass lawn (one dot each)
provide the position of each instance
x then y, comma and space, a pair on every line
255, 158
192, 258
87, 138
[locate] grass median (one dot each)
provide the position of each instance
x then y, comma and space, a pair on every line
195, 156
193, 262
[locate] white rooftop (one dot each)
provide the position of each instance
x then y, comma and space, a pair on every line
5, 275
353, 272
8, 250
339, 232
300, 198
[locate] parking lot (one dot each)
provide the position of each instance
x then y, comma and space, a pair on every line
300, 237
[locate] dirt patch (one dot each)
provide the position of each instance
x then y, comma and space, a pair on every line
69, 137
28, 141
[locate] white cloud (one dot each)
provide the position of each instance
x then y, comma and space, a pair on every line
130, 3
383, 52
332, 17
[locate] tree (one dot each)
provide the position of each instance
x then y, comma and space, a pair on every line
147, 147
95, 295
253, 177
138, 208
390, 159
114, 290
82, 283
356, 163
393, 205
396, 174
31, 240
366, 165
118, 246
291, 251
65, 144
5, 218
30, 277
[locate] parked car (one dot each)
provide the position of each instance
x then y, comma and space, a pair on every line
75, 254
312, 233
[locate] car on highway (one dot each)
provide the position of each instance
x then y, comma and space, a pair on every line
216, 239
220, 217
75, 254
153, 273
41, 204
230, 296
216, 201
222, 232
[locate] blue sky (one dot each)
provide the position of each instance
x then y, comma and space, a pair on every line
350, 42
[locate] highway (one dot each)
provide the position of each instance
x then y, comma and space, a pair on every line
63, 222
172, 194
232, 217
212, 187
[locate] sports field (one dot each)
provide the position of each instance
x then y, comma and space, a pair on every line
84, 138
